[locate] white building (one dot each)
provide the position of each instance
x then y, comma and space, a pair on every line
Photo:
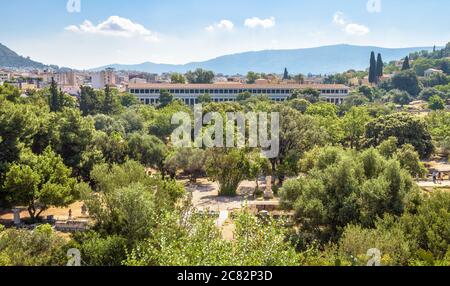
188, 93
103, 78
430, 72
4, 76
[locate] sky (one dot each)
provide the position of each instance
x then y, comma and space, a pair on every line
85, 34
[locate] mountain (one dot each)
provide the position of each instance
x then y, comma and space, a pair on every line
320, 60
10, 59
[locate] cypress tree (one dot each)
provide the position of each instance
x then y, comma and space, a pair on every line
286, 74
54, 99
406, 65
108, 103
373, 68
380, 66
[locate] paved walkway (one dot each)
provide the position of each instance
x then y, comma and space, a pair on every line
430, 184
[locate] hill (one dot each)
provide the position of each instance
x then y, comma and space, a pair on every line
10, 59
320, 60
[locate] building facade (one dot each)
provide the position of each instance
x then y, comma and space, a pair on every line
189, 93
104, 78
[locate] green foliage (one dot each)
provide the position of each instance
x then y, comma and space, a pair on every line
96, 250
205, 98
342, 187
198, 242
439, 124
300, 105
353, 125
398, 97
39, 182
436, 103
407, 128
41, 247
165, 98
177, 78
200, 76
406, 65
147, 149
228, 168
252, 77
407, 81
192, 161
127, 201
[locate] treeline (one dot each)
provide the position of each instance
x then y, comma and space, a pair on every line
357, 163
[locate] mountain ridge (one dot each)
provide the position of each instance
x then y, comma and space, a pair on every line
10, 59
318, 60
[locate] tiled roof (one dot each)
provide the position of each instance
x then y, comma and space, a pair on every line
234, 86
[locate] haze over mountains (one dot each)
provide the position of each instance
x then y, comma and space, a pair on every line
320, 60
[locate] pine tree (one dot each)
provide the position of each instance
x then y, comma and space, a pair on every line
406, 65
373, 69
380, 66
54, 100
286, 74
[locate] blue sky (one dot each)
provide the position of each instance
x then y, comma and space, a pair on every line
180, 31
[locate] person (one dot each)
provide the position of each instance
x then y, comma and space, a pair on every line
70, 214
434, 177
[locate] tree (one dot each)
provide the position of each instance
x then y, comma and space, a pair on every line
191, 160
286, 74
252, 77
200, 76
410, 160
354, 123
147, 149
205, 98
407, 128
55, 99
300, 105
436, 103
165, 98
406, 65
40, 182
90, 101
380, 66
373, 69
177, 78
243, 96
310, 94
228, 168
399, 97
298, 134
128, 202
128, 100
41, 247
342, 187
70, 136
407, 81
110, 101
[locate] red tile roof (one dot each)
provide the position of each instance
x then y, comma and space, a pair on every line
233, 86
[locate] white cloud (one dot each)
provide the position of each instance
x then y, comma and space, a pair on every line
356, 29
222, 25
115, 26
348, 27
257, 22
338, 18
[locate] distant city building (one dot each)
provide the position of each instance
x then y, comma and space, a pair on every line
104, 78
430, 72
4, 76
66, 78
189, 93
